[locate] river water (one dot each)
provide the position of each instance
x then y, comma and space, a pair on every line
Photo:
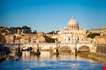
50, 62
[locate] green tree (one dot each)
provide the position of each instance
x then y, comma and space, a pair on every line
35, 32
93, 35
26, 29
49, 39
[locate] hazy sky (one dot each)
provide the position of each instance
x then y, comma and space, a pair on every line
48, 15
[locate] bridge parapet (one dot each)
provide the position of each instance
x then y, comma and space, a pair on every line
91, 46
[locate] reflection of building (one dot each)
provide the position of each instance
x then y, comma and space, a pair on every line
72, 32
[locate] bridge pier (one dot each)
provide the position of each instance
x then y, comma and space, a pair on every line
36, 51
51, 46
74, 51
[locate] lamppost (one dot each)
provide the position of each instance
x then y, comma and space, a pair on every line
76, 42
57, 47
14, 38
38, 49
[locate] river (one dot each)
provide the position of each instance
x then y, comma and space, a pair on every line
50, 62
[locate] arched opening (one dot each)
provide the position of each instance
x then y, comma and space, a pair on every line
84, 49
64, 49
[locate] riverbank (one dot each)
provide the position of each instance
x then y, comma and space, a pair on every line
45, 61
96, 57
2, 58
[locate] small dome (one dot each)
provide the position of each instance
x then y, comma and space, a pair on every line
73, 24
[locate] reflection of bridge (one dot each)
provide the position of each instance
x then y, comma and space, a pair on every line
79, 46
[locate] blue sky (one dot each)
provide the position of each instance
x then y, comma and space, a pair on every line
48, 15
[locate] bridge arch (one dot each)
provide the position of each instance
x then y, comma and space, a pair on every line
84, 48
65, 49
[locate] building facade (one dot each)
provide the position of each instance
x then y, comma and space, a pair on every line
72, 33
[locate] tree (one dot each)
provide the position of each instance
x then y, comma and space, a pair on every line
35, 32
13, 30
93, 35
26, 29
49, 39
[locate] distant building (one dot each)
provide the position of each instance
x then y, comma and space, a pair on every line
100, 39
2, 39
25, 38
15, 30
101, 44
9, 39
72, 32
99, 30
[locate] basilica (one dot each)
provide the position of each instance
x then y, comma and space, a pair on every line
72, 33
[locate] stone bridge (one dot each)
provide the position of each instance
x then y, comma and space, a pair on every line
45, 46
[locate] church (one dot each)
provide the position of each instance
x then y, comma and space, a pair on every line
72, 33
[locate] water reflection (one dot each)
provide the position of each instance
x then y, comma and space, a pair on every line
47, 61
27, 56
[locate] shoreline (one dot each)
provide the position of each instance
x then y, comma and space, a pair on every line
96, 57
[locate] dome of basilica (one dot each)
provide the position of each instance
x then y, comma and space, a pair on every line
73, 24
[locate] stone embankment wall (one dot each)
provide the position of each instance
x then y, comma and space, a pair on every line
101, 44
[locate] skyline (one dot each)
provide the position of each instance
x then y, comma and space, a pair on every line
49, 15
